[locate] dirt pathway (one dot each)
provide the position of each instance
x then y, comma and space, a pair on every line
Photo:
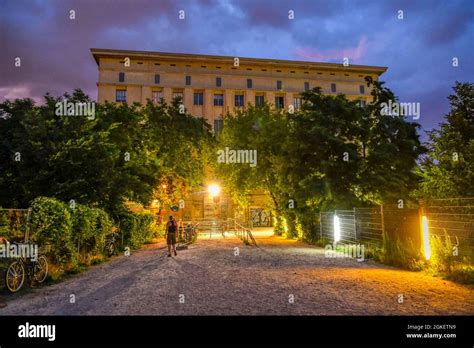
210, 279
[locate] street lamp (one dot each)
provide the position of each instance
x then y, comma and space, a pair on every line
214, 190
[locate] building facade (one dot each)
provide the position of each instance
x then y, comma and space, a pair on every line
211, 86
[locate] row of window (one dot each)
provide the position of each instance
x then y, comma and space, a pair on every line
279, 84
239, 99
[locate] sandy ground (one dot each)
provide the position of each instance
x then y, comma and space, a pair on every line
209, 279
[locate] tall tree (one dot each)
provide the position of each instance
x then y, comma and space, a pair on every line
448, 169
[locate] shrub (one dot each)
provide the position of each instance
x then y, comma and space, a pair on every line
51, 223
90, 227
137, 228
405, 255
442, 253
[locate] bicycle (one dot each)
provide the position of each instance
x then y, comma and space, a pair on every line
111, 244
15, 275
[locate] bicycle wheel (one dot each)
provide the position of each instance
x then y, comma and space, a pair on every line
41, 269
15, 276
110, 248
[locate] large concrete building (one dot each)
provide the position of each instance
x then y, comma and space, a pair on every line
211, 86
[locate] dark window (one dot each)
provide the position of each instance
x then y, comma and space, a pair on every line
218, 100
218, 124
297, 102
218, 82
157, 79
278, 84
188, 80
198, 98
362, 89
259, 100
306, 86
249, 83
279, 102
121, 96
239, 100
121, 77
157, 96
333, 87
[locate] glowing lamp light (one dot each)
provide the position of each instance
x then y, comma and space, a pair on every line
214, 190
426, 237
337, 229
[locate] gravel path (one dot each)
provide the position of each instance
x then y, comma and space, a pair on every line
209, 279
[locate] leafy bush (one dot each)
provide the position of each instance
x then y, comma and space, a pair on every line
90, 227
397, 253
137, 228
51, 223
442, 253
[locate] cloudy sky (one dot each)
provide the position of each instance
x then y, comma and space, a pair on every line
418, 49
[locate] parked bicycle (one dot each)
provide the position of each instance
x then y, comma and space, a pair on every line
111, 244
18, 270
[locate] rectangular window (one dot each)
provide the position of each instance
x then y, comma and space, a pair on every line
198, 98
259, 100
157, 79
297, 102
188, 81
218, 82
362, 104
156, 96
249, 83
121, 96
333, 87
178, 95
362, 89
218, 124
121, 77
218, 100
279, 84
306, 86
279, 102
239, 100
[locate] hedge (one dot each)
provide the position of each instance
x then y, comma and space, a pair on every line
51, 222
137, 228
69, 230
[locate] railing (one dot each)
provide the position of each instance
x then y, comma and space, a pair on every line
242, 232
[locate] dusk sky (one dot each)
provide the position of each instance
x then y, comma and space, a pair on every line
418, 49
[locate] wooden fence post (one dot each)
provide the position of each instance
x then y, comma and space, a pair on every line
321, 225
382, 220
355, 226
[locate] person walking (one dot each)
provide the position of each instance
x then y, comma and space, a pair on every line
171, 228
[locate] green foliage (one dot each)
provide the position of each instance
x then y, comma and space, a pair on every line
125, 152
329, 154
90, 226
70, 231
51, 223
396, 253
448, 169
137, 228
442, 253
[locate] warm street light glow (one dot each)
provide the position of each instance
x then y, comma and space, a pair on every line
214, 190
164, 186
426, 237
337, 229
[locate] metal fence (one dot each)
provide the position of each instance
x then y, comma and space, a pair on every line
454, 217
